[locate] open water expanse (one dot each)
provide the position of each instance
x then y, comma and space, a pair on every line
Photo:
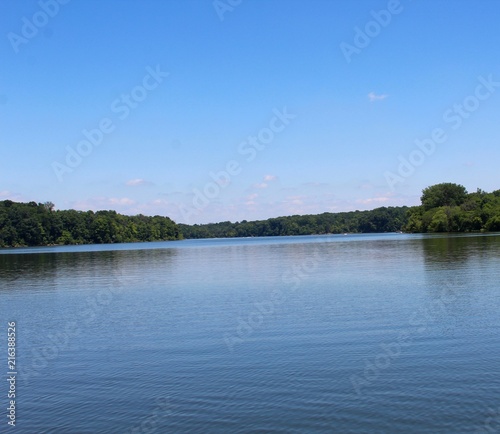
384, 333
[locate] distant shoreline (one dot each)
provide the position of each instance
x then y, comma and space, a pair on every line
446, 208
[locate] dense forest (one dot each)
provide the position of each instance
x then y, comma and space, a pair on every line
449, 207
445, 207
37, 224
383, 219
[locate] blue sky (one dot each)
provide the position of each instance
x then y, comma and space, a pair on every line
178, 87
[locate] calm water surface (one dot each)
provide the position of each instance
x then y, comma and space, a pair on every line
384, 333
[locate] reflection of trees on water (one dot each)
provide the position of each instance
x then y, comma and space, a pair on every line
15, 267
49, 270
456, 250
459, 270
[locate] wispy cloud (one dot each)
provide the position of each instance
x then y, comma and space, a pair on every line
103, 203
160, 202
136, 182
121, 201
4, 193
8, 195
295, 200
269, 178
250, 199
371, 200
372, 96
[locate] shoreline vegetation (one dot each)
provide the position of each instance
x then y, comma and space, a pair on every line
445, 207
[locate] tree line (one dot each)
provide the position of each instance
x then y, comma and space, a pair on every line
38, 224
448, 207
444, 207
385, 219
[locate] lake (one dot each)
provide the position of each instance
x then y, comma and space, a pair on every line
382, 333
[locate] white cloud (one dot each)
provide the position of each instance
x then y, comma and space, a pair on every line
296, 200
160, 202
250, 200
136, 182
373, 200
99, 203
8, 195
267, 179
121, 201
372, 96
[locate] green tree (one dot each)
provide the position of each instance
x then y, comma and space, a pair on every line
493, 224
445, 194
439, 222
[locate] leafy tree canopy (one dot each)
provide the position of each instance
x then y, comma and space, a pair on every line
449, 208
32, 224
445, 194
